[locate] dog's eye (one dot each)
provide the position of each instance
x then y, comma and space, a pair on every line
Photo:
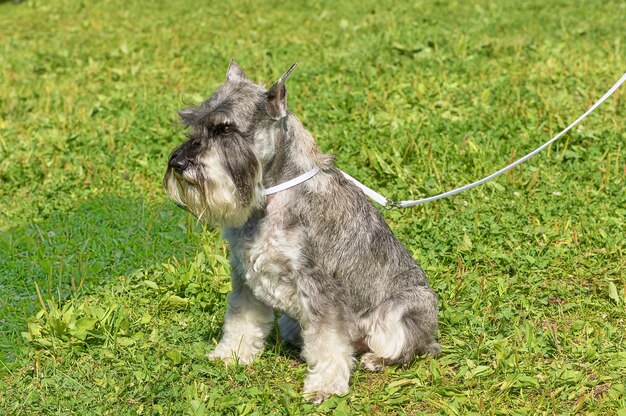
224, 128
196, 143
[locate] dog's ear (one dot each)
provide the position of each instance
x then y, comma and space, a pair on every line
277, 96
235, 73
187, 116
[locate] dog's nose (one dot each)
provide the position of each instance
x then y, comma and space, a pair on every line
179, 163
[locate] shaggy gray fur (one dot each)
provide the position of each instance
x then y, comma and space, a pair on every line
319, 252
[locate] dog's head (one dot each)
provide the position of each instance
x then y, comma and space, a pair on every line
232, 137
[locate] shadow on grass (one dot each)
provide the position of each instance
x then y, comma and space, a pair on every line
71, 252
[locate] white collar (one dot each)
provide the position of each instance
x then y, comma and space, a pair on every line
293, 182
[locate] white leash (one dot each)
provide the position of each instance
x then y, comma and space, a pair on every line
375, 196
388, 203
308, 175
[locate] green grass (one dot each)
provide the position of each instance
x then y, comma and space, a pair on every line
414, 99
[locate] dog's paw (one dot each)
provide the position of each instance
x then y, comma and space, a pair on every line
229, 356
371, 362
316, 389
226, 359
433, 350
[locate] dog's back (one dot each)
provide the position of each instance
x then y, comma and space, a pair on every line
373, 277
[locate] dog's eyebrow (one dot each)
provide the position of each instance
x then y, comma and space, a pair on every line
217, 117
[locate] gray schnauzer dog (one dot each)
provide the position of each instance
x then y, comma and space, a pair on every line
318, 252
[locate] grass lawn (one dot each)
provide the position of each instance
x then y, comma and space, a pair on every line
413, 98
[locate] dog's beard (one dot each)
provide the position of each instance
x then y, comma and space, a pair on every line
213, 197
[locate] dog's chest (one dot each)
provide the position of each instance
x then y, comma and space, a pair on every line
271, 258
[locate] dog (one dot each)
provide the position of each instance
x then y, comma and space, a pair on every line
318, 252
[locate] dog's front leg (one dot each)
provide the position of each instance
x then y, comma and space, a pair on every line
326, 334
329, 355
247, 323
